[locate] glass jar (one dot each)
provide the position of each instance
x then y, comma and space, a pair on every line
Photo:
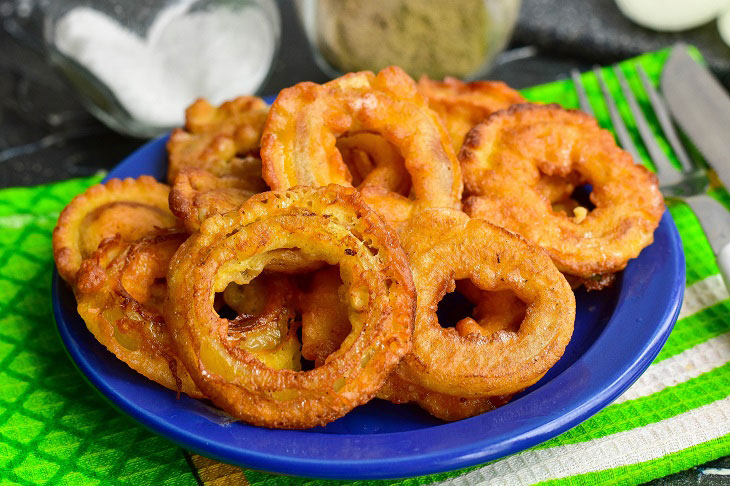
137, 64
433, 37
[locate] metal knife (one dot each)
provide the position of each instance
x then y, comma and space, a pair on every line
701, 107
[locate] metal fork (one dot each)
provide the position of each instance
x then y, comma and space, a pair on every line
689, 184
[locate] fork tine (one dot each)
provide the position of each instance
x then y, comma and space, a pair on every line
585, 105
661, 162
662, 114
618, 124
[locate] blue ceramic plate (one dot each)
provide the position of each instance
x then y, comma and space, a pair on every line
618, 332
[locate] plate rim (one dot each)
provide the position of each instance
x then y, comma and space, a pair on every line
412, 465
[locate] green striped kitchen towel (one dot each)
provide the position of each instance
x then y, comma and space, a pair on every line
54, 429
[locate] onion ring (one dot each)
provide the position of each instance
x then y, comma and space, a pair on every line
462, 105
444, 246
130, 207
223, 140
503, 159
328, 224
120, 297
298, 146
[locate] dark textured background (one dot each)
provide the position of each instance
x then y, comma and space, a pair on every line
45, 134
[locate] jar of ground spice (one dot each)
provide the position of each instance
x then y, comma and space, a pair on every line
433, 37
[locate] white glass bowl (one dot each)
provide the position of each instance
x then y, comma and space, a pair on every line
136, 64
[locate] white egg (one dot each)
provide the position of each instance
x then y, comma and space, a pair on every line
723, 25
672, 15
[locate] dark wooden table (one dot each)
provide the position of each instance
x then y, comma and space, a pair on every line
46, 135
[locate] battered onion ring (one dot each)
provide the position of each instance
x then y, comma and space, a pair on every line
444, 246
298, 146
130, 207
462, 105
328, 224
223, 140
503, 159
197, 194
120, 297
440, 405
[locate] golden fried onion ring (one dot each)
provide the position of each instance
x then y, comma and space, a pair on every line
298, 146
328, 224
462, 105
503, 160
130, 207
120, 297
444, 246
220, 140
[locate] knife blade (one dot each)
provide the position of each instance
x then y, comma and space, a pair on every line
701, 107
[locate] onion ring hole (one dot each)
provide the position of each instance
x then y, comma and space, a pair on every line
471, 310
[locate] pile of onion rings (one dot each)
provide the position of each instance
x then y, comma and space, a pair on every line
299, 262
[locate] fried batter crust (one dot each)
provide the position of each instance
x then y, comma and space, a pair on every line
197, 194
440, 405
463, 105
220, 140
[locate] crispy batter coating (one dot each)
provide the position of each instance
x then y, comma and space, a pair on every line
444, 246
325, 323
373, 161
503, 160
329, 224
298, 146
462, 105
220, 140
493, 311
440, 405
197, 194
120, 293
130, 208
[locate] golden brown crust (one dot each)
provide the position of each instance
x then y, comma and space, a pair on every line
130, 208
197, 194
120, 296
373, 162
298, 146
440, 405
219, 139
463, 105
504, 158
328, 224
325, 323
444, 246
